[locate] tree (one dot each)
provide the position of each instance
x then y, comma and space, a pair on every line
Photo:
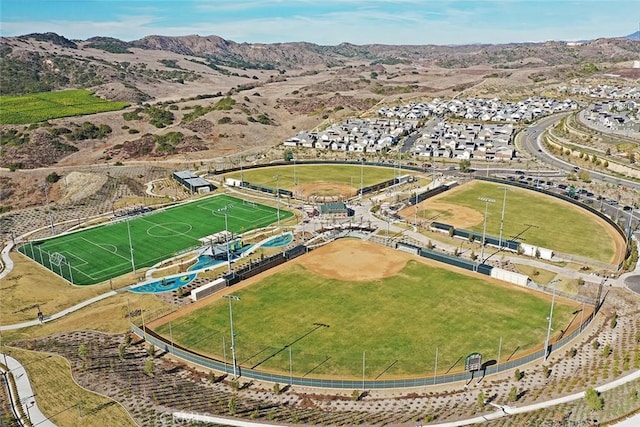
513, 394
518, 375
83, 351
276, 389
481, 400
288, 155
595, 402
151, 351
233, 405
148, 367
355, 395
465, 165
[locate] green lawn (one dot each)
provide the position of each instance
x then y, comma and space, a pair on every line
97, 254
38, 107
317, 174
399, 322
539, 220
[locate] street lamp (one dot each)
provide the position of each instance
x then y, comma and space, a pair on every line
547, 351
226, 234
233, 335
484, 228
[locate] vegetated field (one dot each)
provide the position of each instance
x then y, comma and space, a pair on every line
398, 320
62, 399
103, 252
38, 107
537, 219
345, 175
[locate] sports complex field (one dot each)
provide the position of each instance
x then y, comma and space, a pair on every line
96, 254
321, 180
530, 217
351, 299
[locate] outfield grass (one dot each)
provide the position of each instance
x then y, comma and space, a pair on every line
103, 252
538, 220
316, 174
38, 107
399, 322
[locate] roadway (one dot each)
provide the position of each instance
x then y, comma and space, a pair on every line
531, 142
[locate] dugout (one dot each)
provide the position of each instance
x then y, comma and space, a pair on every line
193, 182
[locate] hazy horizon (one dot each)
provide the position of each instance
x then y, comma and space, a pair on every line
330, 22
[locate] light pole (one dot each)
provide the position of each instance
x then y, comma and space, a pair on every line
133, 263
277, 177
226, 234
547, 351
484, 228
361, 176
45, 187
504, 204
233, 335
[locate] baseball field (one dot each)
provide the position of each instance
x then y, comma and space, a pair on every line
529, 217
319, 180
350, 300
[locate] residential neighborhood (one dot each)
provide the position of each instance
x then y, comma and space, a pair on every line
475, 128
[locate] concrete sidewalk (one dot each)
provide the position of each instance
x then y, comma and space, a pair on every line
59, 314
26, 398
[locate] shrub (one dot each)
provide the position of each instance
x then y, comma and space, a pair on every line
595, 402
53, 177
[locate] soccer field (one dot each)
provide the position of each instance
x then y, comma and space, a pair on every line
93, 255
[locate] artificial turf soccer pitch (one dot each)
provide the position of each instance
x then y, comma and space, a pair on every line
398, 323
97, 254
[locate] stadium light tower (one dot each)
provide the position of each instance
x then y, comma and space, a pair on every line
45, 188
233, 335
133, 263
225, 209
484, 228
277, 177
547, 351
504, 204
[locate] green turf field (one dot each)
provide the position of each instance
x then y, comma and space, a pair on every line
100, 253
555, 224
38, 107
317, 174
399, 322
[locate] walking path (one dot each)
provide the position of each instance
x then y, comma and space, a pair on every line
25, 398
59, 314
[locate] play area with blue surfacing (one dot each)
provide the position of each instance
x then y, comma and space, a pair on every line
204, 262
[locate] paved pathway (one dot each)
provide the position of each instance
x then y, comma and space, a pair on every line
59, 314
25, 397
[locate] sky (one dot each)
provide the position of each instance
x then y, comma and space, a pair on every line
327, 22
